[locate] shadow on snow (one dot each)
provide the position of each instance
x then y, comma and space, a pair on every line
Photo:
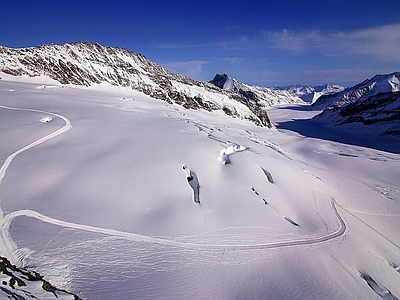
325, 130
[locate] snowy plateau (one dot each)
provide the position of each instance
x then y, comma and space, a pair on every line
142, 184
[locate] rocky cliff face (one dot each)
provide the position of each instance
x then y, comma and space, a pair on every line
88, 64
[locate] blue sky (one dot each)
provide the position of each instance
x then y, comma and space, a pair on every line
257, 42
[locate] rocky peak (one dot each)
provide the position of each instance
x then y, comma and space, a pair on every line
223, 81
219, 80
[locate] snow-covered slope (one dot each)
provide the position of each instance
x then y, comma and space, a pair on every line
369, 87
87, 64
94, 197
310, 94
266, 96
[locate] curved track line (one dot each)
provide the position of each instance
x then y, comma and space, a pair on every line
176, 243
65, 128
6, 242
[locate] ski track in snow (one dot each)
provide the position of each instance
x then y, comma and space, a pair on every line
15, 255
258, 140
375, 156
6, 241
175, 242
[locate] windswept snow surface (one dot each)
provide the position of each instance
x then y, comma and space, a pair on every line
96, 201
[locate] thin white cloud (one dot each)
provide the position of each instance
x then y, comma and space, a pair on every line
333, 76
188, 68
176, 46
380, 43
234, 61
291, 40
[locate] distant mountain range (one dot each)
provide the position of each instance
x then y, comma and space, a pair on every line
89, 64
276, 95
310, 94
267, 95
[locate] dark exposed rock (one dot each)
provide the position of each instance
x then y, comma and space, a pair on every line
19, 277
227, 110
372, 110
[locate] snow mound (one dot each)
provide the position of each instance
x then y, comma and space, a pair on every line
226, 152
46, 119
47, 87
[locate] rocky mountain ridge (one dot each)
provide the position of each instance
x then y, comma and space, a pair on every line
87, 64
374, 102
381, 110
369, 87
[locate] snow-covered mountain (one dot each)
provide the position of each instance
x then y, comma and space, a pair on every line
310, 94
365, 89
374, 102
266, 96
87, 64
381, 110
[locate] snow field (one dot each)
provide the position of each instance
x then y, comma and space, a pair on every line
105, 209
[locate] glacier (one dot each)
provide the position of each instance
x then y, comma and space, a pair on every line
95, 200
